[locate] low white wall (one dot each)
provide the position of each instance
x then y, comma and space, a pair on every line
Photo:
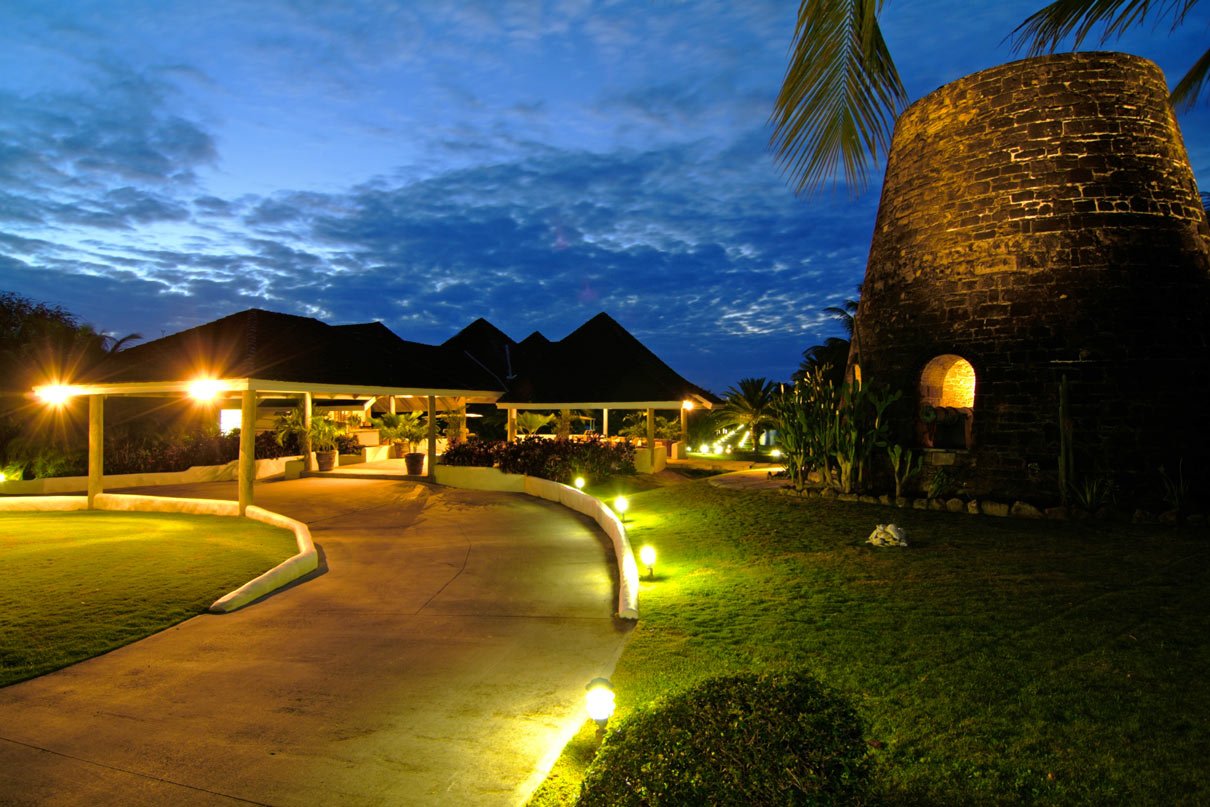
642, 459
479, 478
376, 453
198, 473
305, 561
496, 480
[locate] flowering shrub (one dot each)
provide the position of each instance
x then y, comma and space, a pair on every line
481, 453
562, 460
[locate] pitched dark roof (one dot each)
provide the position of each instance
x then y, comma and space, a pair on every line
283, 347
487, 345
599, 362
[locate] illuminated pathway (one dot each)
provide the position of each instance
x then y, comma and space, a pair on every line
439, 660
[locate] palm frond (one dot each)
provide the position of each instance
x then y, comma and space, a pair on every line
1185, 93
840, 95
1044, 30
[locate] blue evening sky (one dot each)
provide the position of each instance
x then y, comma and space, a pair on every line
166, 163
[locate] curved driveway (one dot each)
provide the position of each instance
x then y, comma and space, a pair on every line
439, 659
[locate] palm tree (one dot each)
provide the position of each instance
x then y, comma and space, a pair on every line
832, 357
749, 405
841, 93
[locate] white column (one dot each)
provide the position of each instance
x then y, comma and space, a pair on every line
432, 436
247, 448
96, 447
651, 436
307, 405
605, 422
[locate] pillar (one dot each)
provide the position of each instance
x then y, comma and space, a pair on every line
651, 436
306, 437
512, 424
247, 448
604, 422
432, 401
96, 447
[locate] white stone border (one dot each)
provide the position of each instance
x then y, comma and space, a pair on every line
292, 568
594, 508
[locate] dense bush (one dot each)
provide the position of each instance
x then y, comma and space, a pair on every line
563, 460
130, 453
745, 739
481, 453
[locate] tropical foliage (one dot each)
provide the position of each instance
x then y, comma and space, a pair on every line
842, 93
748, 406
532, 422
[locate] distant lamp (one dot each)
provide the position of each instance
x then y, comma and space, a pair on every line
599, 701
56, 394
204, 389
579, 483
775, 453
647, 556
3, 477
621, 504
704, 448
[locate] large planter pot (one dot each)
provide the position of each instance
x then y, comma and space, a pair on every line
397, 451
325, 460
414, 463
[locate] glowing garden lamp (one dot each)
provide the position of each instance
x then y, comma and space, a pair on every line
775, 453
704, 448
599, 701
56, 394
204, 389
647, 556
621, 504
579, 483
3, 477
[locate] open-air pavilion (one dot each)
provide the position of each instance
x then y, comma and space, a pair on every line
255, 357
255, 354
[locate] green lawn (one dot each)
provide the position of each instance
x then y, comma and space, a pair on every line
994, 660
79, 584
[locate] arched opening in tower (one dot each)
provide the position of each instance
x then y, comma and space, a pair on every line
947, 403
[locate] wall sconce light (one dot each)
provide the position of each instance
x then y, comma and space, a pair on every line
56, 394
204, 389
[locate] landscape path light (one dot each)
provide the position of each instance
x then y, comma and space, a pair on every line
621, 504
579, 483
647, 556
599, 701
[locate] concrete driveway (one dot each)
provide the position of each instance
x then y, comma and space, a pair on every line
440, 658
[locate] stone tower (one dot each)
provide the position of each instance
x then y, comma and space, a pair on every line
1039, 220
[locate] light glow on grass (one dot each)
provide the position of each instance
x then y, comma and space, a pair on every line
86, 582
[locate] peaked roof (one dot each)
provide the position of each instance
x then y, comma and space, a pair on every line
487, 346
267, 345
599, 363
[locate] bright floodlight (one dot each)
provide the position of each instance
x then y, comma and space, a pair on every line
204, 389
579, 483
56, 394
599, 700
3, 477
775, 453
621, 504
687, 405
704, 448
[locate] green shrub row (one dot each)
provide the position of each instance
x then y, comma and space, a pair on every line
559, 460
745, 739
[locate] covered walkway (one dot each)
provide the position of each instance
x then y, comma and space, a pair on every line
440, 657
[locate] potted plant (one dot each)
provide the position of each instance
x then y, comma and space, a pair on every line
324, 431
413, 430
390, 431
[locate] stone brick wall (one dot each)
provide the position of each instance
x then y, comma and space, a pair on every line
1041, 219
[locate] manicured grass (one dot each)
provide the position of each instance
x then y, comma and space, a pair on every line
994, 660
79, 584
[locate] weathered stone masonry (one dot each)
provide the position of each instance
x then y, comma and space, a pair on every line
1040, 219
